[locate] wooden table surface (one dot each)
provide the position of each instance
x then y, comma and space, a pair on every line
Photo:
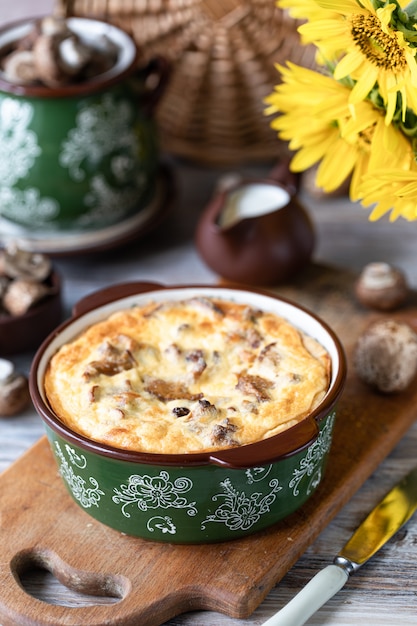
384, 591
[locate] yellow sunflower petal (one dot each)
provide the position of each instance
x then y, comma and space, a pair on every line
342, 6
348, 64
365, 84
358, 173
309, 155
336, 166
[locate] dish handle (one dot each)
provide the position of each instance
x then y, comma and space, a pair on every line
110, 294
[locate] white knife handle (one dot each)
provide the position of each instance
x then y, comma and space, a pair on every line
321, 588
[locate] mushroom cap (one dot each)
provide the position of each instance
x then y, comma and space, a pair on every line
19, 67
18, 263
381, 286
385, 356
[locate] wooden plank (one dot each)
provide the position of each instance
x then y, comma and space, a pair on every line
40, 523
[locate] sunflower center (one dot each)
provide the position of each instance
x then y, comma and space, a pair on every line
380, 48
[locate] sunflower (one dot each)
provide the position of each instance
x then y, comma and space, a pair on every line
391, 191
310, 10
304, 9
364, 44
316, 118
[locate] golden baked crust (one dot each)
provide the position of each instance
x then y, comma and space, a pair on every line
187, 376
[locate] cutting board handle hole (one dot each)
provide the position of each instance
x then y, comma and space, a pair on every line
76, 586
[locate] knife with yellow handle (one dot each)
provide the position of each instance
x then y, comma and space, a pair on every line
381, 524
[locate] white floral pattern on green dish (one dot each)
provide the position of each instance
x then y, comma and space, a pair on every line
86, 496
240, 511
314, 456
154, 492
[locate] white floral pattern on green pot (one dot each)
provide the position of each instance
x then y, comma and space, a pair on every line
79, 157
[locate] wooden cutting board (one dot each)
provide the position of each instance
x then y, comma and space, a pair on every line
39, 523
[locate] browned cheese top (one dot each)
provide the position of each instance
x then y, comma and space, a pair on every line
187, 376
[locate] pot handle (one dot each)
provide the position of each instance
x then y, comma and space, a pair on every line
296, 438
111, 293
152, 80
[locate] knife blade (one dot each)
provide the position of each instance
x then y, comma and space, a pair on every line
388, 516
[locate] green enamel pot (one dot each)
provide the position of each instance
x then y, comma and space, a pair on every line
196, 497
82, 156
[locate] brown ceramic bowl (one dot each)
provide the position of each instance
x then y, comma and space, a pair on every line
25, 333
194, 497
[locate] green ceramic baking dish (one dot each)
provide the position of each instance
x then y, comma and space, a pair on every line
195, 497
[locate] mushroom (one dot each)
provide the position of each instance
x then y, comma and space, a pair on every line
385, 356
73, 55
52, 25
382, 287
14, 390
53, 54
18, 263
106, 49
22, 294
46, 52
19, 67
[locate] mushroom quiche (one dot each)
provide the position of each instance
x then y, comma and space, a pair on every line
185, 376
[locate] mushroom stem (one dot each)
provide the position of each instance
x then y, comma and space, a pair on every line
14, 390
6, 371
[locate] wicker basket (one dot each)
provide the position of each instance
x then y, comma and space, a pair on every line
223, 54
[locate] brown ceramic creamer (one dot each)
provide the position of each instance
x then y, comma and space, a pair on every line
255, 232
